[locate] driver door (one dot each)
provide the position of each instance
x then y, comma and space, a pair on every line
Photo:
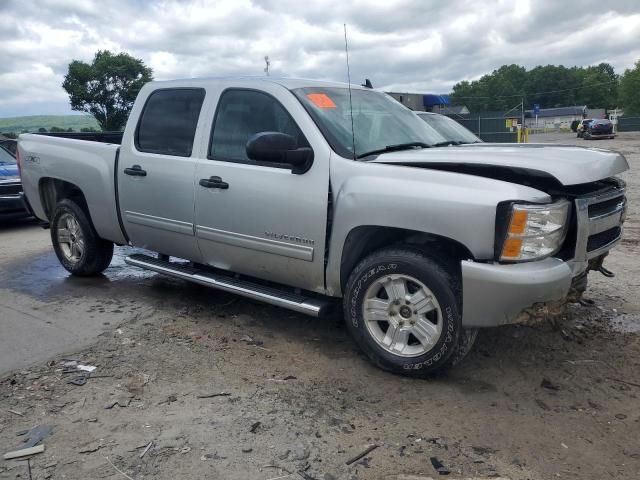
260, 219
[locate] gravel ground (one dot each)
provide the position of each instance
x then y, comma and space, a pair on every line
220, 387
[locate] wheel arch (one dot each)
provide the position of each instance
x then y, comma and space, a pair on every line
53, 190
363, 240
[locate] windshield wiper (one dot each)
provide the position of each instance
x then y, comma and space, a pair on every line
447, 143
396, 148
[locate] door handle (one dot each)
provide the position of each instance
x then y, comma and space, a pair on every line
213, 182
135, 171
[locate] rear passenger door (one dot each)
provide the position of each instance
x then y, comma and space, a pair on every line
156, 172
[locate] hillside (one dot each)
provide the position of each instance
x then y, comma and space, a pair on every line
34, 122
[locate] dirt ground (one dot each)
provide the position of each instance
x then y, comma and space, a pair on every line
219, 387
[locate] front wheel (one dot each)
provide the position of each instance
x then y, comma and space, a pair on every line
401, 307
76, 243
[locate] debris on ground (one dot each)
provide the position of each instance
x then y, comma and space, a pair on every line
87, 368
79, 380
251, 341
365, 452
122, 402
439, 466
255, 427
212, 395
23, 452
549, 385
144, 452
36, 434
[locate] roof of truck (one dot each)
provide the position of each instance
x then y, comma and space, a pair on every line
287, 82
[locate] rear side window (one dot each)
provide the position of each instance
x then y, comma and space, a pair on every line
243, 113
168, 121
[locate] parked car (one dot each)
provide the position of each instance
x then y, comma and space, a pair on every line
582, 126
452, 131
601, 128
11, 204
298, 192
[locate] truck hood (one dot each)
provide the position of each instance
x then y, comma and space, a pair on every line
561, 164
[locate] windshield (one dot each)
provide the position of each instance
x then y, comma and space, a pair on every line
379, 121
449, 128
6, 157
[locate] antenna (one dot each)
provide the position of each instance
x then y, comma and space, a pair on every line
346, 50
267, 64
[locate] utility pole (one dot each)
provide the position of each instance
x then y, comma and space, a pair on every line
267, 64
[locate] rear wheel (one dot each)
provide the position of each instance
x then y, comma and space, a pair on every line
75, 241
401, 307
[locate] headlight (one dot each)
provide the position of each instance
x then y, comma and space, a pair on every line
535, 231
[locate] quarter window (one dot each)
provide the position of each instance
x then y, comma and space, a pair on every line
243, 113
168, 121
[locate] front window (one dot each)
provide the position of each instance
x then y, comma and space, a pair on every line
449, 128
242, 114
379, 122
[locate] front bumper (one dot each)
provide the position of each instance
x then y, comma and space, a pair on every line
601, 134
494, 294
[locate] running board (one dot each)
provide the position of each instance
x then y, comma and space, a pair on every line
316, 307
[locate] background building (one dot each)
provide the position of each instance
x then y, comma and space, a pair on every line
428, 102
560, 117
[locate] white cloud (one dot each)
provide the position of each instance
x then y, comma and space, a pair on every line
407, 45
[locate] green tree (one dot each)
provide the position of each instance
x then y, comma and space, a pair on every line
55, 129
107, 87
630, 90
42, 130
549, 86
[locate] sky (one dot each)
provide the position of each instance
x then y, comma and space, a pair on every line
421, 46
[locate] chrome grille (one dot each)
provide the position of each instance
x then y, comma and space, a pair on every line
599, 225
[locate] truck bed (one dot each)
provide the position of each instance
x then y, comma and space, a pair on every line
83, 160
102, 137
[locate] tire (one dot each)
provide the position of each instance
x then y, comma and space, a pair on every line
85, 253
436, 344
466, 340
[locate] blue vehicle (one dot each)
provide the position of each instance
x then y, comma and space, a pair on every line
11, 204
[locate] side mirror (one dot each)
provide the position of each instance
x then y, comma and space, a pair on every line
279, 147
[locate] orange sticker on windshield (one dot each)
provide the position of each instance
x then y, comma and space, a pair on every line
321, 100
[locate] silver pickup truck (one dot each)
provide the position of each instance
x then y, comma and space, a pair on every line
297, 192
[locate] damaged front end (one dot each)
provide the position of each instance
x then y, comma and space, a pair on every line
497, 294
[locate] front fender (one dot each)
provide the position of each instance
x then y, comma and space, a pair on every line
452, 205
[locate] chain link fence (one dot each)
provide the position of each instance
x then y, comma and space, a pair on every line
497, 127
628, 124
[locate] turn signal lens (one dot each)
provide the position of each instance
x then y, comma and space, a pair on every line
512, 247
518, 222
